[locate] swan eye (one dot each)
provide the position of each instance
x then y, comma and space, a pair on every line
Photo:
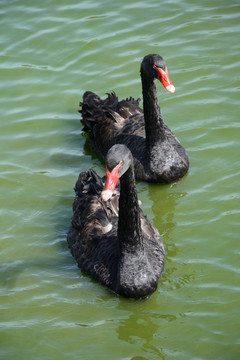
157, 68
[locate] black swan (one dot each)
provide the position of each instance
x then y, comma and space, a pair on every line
109, 236
158, 155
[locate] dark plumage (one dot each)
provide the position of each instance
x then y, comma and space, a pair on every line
112, 240
158, 155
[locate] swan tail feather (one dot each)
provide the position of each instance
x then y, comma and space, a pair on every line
95, 110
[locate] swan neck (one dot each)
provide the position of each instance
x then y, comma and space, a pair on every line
152, 113
129, 224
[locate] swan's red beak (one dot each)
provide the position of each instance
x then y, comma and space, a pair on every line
111, 182
164, 78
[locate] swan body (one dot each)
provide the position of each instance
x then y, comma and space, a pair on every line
109, 236
158, 155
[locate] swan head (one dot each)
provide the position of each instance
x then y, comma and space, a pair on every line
153, 67
118, 161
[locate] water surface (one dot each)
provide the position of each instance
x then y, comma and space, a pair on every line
51, 52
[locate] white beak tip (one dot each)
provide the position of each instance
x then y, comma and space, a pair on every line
171, 88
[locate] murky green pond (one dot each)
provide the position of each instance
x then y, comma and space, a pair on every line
51, 52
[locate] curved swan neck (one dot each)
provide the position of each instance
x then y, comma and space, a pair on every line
129, 224
152, 113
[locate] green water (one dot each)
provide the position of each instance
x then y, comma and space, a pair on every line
51, 52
